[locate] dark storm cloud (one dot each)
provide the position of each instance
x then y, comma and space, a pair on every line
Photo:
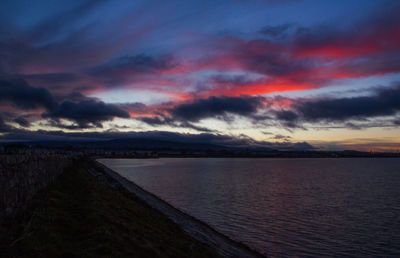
3, 126
184, 115
382, 102
287, 118
82, 110
286, 115
155, 120
217, 106
22, 121
87, 112
165, 120
20, 94
6, 123
385, 102
74, 96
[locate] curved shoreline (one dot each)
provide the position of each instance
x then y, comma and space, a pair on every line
191, 225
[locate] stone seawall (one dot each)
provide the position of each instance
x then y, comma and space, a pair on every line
21, 176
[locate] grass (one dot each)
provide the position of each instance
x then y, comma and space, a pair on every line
76, 216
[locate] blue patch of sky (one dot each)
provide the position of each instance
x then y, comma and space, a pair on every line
132, 96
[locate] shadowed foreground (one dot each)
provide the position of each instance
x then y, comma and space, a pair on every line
78, 216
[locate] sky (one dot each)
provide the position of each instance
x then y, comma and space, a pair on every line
264, 72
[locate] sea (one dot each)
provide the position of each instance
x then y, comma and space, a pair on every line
339, 207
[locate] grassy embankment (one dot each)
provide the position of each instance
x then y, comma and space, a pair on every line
76, 216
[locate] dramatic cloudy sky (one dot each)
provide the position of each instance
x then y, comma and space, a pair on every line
266, 71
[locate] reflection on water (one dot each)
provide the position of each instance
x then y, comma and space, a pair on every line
284, 207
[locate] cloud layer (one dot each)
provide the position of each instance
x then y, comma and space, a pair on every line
172, 65
86, 113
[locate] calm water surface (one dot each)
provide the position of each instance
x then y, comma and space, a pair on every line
284, 207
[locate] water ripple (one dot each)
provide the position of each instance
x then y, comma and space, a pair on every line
284, 208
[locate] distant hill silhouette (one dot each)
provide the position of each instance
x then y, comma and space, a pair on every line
133, 143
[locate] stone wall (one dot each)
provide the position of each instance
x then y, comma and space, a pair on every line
21, 176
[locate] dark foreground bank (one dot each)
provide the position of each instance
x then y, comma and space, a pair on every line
78, 216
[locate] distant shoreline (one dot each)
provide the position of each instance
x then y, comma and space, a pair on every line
135, 148
191, 225
252, 157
